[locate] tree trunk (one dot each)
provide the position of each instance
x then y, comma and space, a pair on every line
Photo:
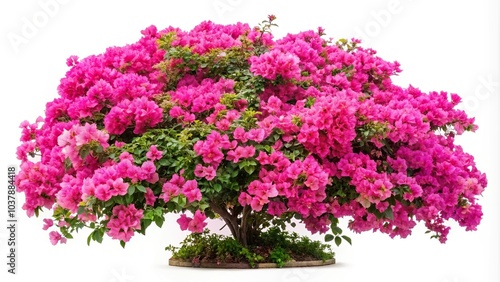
239, 226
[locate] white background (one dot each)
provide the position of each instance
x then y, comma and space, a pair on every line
449, 45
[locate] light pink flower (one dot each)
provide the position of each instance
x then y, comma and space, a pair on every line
56, 237
47, 223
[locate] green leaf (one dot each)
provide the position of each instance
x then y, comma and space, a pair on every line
145, 224
131, 189
392, 201
250, 169
329, 237
242, 164
336, 230
122, 243
129, 199
217, 187
141, 188
333, 220
89, 238
159, 221
119, 200
158, 211
347, 239
81, 209
171, 206
202, 206
164, 162
67, 163
179, 200
210, 214
37, 211
98, 149
98, 234
84, 152
389, 214
149, 214
66, 234
182, 201
338, 240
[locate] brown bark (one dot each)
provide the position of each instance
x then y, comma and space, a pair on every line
239, 227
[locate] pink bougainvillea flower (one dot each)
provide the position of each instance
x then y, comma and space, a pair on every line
198, 223
63, 223
240, 152
276, 208
274, 63
184, 221
191, 191
124, 221
229, 115
154, 154
170, 190
244, 199
150, 197
208, 172
56, 237
47, 223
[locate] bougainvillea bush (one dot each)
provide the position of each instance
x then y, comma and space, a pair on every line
224, 121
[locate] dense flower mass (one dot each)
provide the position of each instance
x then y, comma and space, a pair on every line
225, 120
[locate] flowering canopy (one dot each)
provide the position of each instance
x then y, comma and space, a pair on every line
224, 120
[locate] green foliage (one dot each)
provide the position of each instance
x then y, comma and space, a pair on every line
272, 245
280, 256
213, 247
295, 245
336, 235
346, 45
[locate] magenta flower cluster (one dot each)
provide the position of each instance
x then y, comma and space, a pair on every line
225, 116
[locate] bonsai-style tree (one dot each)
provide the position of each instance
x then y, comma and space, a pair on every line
226, 122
